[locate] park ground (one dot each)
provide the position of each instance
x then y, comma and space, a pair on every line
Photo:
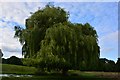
73, 74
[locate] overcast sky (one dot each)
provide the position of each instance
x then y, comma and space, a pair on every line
103, 16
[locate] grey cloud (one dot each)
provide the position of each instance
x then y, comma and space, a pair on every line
10, 48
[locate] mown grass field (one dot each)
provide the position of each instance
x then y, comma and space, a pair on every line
72, 74
54, 78
15, 69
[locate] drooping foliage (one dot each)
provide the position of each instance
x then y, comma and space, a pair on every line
69, 42
51, 41
36, 26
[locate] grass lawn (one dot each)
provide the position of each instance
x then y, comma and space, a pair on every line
72, 74
15, 69
55, 78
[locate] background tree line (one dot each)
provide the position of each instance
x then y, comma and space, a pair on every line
12, 60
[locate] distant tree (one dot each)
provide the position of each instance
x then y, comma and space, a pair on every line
118, 65
14, 60
110, 66
1, 54
4, 61
106, 65
102, 62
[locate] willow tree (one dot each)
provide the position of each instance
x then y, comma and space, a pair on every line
68, 41
50, 41
36, 26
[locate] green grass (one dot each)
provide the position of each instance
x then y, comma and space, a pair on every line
54, 78
16, 69
72, 74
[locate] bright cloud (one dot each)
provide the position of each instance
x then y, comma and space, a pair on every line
8, 43
18, 12
14, 13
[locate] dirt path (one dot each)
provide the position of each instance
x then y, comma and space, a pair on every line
114, 75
